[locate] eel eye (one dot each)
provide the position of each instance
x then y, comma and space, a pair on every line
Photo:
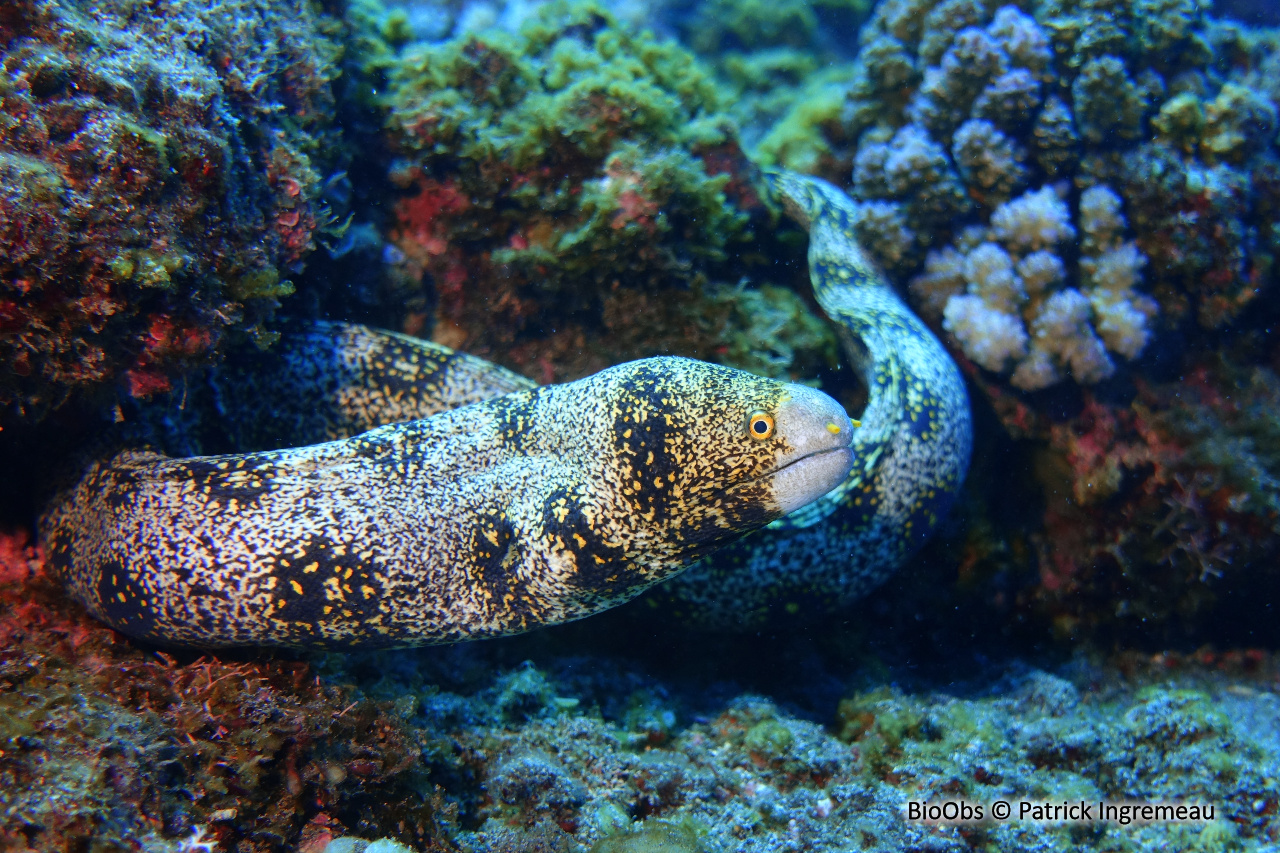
760, 426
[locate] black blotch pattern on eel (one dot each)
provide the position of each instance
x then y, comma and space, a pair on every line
533, 507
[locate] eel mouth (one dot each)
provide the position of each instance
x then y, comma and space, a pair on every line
816, 454
802, 481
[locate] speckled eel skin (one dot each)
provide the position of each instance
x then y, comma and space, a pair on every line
526, 506
912, 448
533, 507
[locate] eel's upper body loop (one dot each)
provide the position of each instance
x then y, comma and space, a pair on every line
912, 446
534, 507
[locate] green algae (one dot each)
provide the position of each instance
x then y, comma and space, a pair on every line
798, 140
260, 284
780, 336
575, 195
1180, 120
40, 180
663, 195
652, 836
769, 737
571, 84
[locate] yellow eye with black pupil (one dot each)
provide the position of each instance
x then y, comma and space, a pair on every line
760, 426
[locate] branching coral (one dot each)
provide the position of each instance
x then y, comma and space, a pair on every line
1005, 298
960, 107
156, 186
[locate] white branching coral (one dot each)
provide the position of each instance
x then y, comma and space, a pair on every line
1001, 290
1033, 220
990, 337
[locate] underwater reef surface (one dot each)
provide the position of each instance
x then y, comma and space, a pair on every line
532, 744
564, 197
1079, 195
162, 174
1072, 175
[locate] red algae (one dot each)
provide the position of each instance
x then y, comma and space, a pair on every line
152, 193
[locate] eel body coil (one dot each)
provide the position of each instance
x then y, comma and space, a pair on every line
491, 506
912, 447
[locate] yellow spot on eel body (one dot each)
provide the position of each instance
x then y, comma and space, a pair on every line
297, 587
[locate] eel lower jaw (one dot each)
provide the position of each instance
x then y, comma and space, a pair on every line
804, 480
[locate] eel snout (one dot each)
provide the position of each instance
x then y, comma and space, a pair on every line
817, 457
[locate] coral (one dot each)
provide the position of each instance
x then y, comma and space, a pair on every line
1035, 220
912, 168
1013, 308
1107, 102
957, 107
155, 187
987, 160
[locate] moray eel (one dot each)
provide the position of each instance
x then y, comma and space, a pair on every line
912, 446
534, 507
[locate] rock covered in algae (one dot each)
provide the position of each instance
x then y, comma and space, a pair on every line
106, 746
573, 195
161, 176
